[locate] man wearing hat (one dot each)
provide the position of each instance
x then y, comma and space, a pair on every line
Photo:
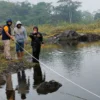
21, 38
6, 36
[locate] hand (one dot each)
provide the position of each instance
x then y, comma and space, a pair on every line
12, 38
42, 45
38, 35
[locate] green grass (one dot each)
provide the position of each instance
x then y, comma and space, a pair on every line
51, 30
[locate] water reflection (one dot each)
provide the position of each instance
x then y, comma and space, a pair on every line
10, 93
69, 43
41, 85
23, 84
2, 81
71, 62
65, 60
38, 75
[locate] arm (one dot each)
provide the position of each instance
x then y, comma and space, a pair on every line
42, 39
7, 33
25, 34
31, 36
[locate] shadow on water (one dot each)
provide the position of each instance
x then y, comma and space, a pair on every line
23, 84
38, 76
41, 85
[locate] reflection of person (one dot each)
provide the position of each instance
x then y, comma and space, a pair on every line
21, 37
9, 88
38, 77
37, 40
6, 36
23, 84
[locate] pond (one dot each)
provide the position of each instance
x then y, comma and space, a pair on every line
79, 63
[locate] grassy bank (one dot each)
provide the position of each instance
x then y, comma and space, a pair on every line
51, 30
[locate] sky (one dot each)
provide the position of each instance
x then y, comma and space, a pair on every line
89, 5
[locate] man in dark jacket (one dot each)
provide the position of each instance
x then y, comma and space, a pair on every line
37, 40
6, 36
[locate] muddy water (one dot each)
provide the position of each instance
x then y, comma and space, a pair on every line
80, 63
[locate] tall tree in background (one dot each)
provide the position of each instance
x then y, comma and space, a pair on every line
45, 13
41, 13
68, 10
87, 17
97, 15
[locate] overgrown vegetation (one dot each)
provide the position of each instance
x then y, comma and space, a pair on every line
46, 13
51, 30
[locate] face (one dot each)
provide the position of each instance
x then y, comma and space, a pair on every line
19, 25
35, 30
9, 23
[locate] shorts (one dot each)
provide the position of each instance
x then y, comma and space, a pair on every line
19, 46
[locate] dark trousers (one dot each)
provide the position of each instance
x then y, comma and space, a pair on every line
36, 52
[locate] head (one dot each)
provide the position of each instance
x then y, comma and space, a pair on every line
35, 29
23, 96
18, 24
9, 22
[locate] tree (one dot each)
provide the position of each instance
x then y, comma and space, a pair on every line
87, 17
97, 15
41, 13
68, 10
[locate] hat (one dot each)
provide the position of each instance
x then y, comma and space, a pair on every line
9, 20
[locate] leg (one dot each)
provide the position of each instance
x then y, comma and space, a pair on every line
38, 51
17, 50
7, 49
22, 49
34, 54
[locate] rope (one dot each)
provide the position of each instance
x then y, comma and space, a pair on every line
72, 95
60, 74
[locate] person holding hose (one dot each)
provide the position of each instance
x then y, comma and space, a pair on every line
21, 38
6, 36
36, 42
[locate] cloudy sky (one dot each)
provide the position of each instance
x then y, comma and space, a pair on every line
90, 5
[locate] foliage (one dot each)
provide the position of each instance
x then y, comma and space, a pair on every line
45, 13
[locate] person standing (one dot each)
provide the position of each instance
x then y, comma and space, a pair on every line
37, 41
21, 37
6, 36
